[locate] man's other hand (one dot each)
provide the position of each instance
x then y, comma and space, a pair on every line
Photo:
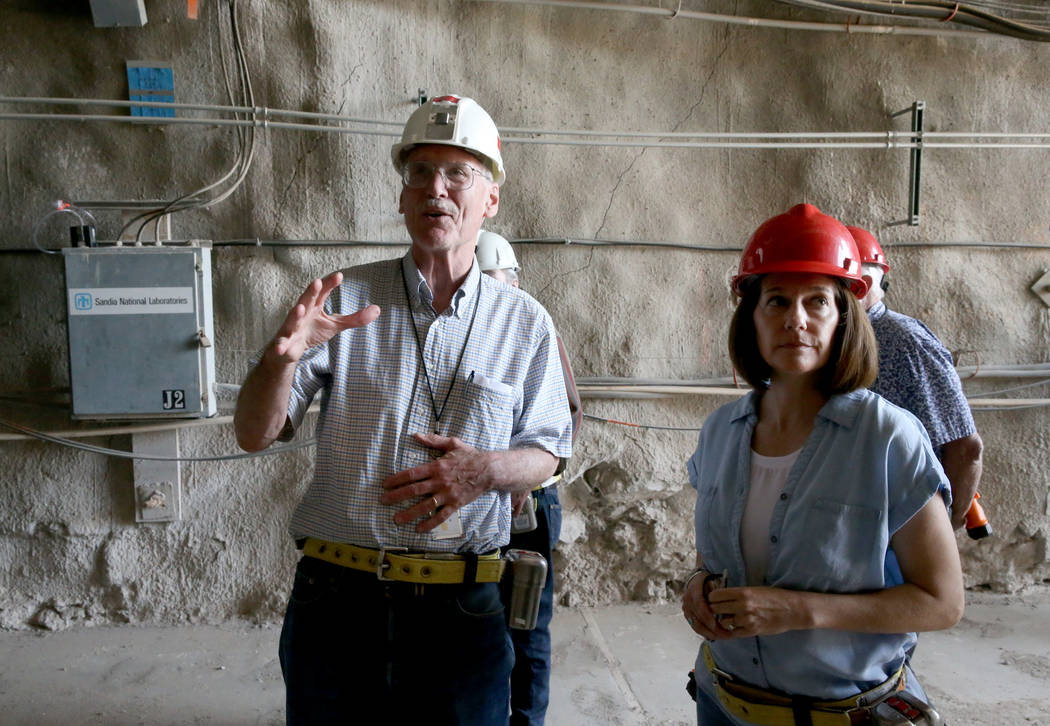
454, 479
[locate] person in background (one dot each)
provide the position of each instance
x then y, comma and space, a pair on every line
530, 679
917, 373
803, 486
442, 396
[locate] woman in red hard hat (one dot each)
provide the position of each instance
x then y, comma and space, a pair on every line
810, 491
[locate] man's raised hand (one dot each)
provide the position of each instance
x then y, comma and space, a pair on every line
307, 324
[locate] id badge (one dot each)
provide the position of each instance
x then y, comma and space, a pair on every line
526, 521
450, 528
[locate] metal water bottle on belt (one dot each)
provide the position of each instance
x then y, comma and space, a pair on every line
528, 575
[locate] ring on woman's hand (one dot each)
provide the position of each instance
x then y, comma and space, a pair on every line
435, 507
728, 626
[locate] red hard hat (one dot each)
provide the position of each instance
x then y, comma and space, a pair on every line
868, 246
803, 239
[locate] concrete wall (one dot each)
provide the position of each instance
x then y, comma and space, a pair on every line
70, 551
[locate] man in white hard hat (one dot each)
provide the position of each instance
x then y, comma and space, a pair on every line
530, 680
442, 397
917, 373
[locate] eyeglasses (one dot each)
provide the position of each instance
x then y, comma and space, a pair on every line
458, 177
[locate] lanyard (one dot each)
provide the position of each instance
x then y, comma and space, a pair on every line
438, 412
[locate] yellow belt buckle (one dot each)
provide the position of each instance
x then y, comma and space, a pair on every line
382, 564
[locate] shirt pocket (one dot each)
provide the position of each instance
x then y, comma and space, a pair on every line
482, 415
838, 547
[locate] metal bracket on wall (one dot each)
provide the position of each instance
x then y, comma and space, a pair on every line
158, 485
421, 96
914, 173
1041, 288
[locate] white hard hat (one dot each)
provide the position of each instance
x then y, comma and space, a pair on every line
452, 121
495, 253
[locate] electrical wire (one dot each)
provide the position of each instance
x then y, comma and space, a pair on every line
640, 426
891, 29
988, 394
60, 208
943, 11
556, 241
257, 116
247, 138
246, 141
588, 386
565, 242
1010, 408
121, 454
1014, 8
263, 111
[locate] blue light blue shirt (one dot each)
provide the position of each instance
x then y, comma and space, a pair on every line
864, 471
917, 373
508, 393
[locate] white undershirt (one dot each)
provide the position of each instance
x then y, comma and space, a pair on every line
768, 476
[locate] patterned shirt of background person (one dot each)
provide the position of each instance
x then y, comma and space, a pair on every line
917, 373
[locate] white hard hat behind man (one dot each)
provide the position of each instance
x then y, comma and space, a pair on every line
495, 253
453, 121
496, 258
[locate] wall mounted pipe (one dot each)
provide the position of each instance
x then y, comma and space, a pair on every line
556, 241
255, 110
591, 388
889, 143
261, 117
669, 13
265, 112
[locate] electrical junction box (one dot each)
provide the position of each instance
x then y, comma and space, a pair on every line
118, 13
140, 331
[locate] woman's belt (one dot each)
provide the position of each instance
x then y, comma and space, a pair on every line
395, 563
772, 708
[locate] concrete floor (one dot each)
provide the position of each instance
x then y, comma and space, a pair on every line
620, 665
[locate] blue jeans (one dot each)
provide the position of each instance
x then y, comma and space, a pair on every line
356, 650
530, 680
709, 711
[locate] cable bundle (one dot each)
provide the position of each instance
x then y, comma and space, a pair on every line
214, 193
977, 14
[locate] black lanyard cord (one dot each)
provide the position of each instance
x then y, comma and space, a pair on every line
438, 413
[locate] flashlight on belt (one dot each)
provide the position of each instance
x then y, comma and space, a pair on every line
976, 523
528, 576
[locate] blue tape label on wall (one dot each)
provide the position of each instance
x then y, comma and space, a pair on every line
151, 81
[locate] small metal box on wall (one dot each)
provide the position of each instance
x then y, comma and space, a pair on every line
140, 331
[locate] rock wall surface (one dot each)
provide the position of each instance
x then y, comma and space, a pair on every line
70, 551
